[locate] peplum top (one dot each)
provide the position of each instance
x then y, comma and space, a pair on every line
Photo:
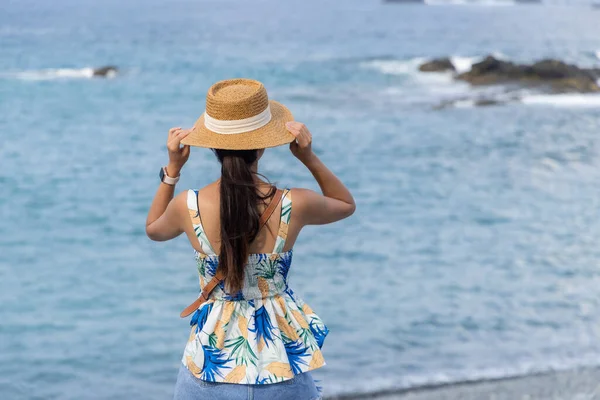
263, 334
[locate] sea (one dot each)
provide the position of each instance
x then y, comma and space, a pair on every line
474, 253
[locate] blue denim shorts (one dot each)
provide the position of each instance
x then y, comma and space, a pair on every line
188, 387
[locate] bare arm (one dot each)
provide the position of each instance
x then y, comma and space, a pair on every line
165, 220
336, 202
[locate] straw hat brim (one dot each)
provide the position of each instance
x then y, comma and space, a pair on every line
272, 134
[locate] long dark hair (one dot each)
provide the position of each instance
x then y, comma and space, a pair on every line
239, 212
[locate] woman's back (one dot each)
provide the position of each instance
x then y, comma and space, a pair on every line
208, 204
269, 260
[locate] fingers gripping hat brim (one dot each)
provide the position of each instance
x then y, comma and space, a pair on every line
274, 133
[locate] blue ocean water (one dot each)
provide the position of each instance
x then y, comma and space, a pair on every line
473, 253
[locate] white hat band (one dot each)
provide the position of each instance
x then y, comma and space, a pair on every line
232, 127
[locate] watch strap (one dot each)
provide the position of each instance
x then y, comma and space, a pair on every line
167, 179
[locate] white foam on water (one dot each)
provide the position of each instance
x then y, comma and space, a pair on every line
464, 64
57, 73
408, 67
395, 67
598, 54
467, 103
499, 55
422, 87
443, 84
563, 100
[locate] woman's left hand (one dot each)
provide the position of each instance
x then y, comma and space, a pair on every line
178, 155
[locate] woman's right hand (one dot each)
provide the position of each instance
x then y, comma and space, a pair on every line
301, 148
178, 155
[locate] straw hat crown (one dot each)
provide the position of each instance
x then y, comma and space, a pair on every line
236, 99
240, 116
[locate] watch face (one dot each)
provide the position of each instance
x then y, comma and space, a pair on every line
162, 174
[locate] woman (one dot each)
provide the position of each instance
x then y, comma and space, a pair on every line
251, 336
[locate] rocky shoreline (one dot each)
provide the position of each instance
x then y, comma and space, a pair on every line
548, 76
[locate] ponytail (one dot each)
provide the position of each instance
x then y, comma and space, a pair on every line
238, 213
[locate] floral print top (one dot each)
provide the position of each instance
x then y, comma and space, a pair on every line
263, 334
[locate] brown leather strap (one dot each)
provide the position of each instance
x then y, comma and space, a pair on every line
206, 291
212, 284
270, 209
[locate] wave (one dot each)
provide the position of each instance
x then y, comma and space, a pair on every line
395, 67
597, 53
411, 66
464, 64
573, 100
563, 100
457, 94
465, 103
56, 73
410, 69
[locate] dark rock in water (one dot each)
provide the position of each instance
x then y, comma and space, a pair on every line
457, 102
487, 102
595, 72
564, 77
484, 101
106, 71
437, 65
492, 71
555, 69
557, 75
576, 84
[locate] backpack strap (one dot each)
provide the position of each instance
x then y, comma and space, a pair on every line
214, 282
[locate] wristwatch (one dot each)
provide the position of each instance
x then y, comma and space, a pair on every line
164, 178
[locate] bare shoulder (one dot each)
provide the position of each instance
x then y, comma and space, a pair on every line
301, 196
208, 196
303, 199
209, 190
312, 208
180, 201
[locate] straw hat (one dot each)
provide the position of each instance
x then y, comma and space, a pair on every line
240, 116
